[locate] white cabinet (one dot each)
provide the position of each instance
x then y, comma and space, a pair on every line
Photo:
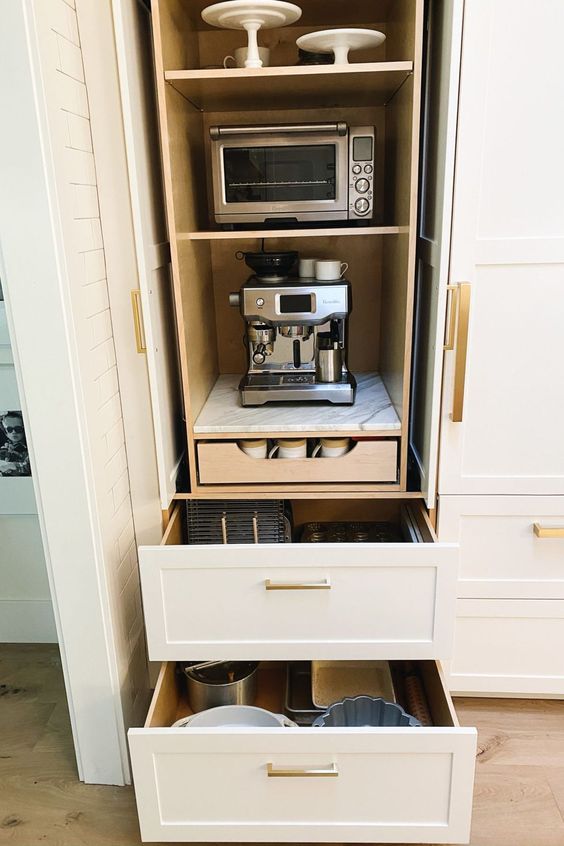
508, 242
508, 647
509, 546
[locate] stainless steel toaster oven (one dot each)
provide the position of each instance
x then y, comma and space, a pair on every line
292, 172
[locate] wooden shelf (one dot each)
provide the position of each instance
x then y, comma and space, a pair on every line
253, 234
320, 86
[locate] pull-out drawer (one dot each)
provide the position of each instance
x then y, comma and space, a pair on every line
377, 785
303, 600
511, 547
223, 462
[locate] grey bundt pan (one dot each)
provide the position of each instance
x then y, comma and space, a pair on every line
365, 711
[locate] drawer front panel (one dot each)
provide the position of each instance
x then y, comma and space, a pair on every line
501, 555
511, 647
298, 601
367, 461
386, 784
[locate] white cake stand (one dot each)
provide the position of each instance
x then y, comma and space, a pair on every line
249, 15
340, 41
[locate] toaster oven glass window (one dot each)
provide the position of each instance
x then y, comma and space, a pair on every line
279, 174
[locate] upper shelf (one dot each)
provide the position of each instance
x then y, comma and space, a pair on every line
321, 232
318, 86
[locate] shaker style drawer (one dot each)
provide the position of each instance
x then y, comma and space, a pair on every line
223, 462
377, 785
508, 647
303, 600
511, 547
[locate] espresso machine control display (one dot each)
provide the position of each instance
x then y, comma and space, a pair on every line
296, 342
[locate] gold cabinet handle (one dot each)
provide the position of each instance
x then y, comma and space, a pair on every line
138, 322
453, 290
458, 325
548, 531
324, 585
302, 772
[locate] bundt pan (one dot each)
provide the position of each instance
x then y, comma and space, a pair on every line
365, 711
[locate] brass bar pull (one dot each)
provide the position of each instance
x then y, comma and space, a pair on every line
138, 322
324, 585
548, 531
330, 771
461, 351
454, 291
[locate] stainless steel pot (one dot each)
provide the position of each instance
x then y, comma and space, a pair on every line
226, 683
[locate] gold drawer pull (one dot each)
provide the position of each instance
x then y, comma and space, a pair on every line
302, 772
140, 341
548, 531
459, 318
324, 585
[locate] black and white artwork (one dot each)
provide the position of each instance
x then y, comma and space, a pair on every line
14, 457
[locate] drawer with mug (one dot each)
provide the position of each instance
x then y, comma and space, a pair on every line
288, 460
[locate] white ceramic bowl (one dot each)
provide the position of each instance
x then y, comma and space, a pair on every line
233, 716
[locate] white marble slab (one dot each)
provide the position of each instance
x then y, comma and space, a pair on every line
372, 411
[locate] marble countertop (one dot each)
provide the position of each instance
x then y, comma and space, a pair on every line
372, 411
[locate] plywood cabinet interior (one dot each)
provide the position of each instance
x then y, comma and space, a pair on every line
382, 90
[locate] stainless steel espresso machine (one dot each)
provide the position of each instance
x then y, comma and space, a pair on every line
296, 341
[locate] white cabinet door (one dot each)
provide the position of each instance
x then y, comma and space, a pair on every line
156, 318
508, 242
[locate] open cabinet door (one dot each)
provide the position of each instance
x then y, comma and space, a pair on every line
153, 304
443, 48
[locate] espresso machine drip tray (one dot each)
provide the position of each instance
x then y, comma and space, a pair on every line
259, 388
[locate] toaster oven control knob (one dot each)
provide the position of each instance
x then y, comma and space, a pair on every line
362, 205
235, 299
368, 168
362, 186
356, 169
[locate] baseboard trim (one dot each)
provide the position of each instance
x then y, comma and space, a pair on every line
27, 621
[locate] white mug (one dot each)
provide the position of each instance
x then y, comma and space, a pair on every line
241, 55
330, 271
289, 448
255, 448
331, 447
307, 268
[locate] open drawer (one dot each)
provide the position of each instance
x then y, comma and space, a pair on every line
223, 462
303, 600
377, 785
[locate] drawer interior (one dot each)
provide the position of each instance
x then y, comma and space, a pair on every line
403, 521
170, 702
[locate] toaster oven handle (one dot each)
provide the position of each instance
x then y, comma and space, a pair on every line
217, 132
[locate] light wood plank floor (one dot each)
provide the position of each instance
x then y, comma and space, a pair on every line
519, 797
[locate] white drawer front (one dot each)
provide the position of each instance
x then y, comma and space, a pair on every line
400, 785
500, 554
347, 601
511, 647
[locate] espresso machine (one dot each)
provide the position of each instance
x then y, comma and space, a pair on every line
296, 341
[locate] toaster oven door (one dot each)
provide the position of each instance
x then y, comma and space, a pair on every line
260, 176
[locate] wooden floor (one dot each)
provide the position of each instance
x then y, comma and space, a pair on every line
519, 797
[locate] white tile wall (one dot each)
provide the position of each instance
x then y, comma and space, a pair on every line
84, 248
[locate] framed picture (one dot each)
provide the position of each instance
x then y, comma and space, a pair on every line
14, 456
